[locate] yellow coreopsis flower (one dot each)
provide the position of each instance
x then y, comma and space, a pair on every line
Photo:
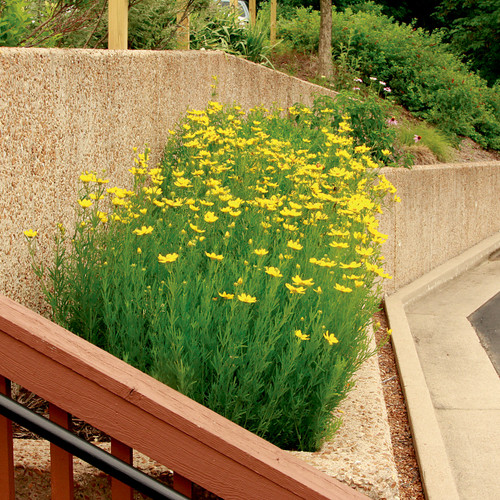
102, 216
298, 281
30, 233
351, 265
210, 217
196, 228
143, 230
85, 203
225, 295
214, 256
260, 252
88, 177
295, 245
165, 259
247, 298
341, 288
273, 271
295, 289
302, 336
330, 337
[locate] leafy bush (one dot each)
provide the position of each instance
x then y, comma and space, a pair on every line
301, 31
370, 120
220, 29
425, 77
242, 271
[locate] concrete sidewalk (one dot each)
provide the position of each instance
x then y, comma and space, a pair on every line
451, 386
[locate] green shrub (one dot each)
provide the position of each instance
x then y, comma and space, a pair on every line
425, 77
301, 32
242, 271
370, 118
220, 29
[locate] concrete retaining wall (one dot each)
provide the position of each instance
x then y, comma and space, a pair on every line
444, 210
64, 111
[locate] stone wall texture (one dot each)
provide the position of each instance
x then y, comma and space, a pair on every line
65, 111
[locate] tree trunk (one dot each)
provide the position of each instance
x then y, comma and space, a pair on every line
325, 40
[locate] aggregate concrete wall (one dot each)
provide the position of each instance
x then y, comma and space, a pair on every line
64, 111
444, 210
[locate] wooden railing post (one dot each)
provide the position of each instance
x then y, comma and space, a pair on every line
119, 490
61, 462
7, 485
182, 485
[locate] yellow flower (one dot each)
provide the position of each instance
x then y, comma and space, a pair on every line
88, 177
239, 282
102, 216
85, 203
143, 230
260, 251
139, 250
30, 233
341, 288
386, 152
247, 298
330, 337
214, 256
273, 271
225, 295
298, 281
165, 259
318, 290
302, 336
342, 244
365, 252
117, 201
352, 265
295, 245
295, 289
196, 228
210, 217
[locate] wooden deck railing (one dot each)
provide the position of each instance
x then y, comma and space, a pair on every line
139, 413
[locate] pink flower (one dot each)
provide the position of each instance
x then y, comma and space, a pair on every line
382, 83
387, 89
358, 80
356, 88
392, 121
416, 138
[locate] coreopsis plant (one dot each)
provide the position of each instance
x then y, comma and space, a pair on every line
243, 271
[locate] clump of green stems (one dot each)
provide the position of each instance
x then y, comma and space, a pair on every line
243, 271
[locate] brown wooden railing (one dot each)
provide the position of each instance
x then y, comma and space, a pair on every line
140, 413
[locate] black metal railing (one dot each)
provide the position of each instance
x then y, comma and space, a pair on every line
90, 453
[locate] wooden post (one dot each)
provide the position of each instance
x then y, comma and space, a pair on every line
61, 462
182, 26
273, 22
119, 490
118, 24
252, 6
8, 487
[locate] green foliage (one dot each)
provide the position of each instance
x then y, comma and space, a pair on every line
422, 134
220, 29
473, 28
370, 123
242, 271
425, 77
15, 22
301, 31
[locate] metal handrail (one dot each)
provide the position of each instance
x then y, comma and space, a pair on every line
90, 453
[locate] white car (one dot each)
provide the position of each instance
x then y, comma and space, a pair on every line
243, 12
